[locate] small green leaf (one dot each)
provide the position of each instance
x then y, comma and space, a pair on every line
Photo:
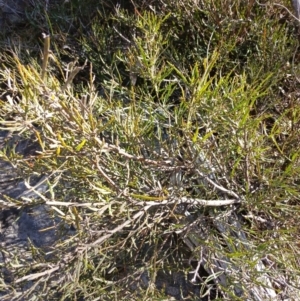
80, 146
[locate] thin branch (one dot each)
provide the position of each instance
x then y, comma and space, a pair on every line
220, 188
37, 275
184, 200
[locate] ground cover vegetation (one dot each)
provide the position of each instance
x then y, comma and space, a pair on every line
144, 110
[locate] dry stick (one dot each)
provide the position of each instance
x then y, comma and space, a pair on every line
74, 71
117, 229
108, 179
45, 54
196, 271
221, 188
37, 275
184, 200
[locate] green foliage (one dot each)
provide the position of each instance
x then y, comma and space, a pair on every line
133, 104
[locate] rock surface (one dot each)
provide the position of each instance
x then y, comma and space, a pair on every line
23, 227
13, 12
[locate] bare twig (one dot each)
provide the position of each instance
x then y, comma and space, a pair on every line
37, 275
220, 188
196, 202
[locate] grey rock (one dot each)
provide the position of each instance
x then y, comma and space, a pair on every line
12, 11
296, 5
25, 227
